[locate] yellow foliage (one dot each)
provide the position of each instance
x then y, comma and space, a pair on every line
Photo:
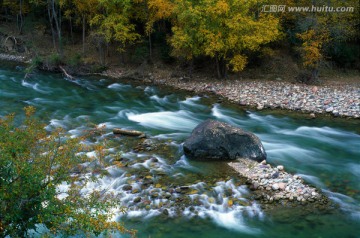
222, 29
312, 46
238, 62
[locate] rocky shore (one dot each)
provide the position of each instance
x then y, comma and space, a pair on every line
275, 185
337, 100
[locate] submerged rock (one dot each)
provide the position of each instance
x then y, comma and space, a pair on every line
214, 140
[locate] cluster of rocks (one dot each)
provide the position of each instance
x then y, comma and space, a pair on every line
15, 58
274, 184
337, 100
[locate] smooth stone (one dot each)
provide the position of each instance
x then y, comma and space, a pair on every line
329, 109
280, 167
275, 186
165, 212
282, 186
154, 195
137, 199
127, 187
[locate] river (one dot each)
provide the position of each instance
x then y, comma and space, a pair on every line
325, 152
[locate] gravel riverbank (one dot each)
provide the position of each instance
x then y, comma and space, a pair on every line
342, 100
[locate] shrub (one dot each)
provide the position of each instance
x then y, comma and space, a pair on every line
33, 165
74, 60
55, 59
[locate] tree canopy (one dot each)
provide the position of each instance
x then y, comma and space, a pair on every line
225, 31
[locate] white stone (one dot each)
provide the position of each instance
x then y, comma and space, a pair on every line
280, 167
275, 186
329, 109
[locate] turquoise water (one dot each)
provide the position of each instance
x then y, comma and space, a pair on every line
325, 152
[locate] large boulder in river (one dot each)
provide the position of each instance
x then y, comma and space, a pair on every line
214, 140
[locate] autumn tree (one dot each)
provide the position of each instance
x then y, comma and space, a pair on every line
80, 12
113, 24
41, 178
221, 29
319, 32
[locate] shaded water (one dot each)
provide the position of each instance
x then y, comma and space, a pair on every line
324, 152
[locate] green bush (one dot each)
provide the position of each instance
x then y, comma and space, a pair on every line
35, 63
55, 59
75, 60
33, 164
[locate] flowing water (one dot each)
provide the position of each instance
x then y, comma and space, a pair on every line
202, 199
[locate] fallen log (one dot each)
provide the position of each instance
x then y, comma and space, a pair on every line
128, 132
66, 73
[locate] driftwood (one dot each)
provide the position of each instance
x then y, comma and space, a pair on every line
10, 37
66, 73
128, 132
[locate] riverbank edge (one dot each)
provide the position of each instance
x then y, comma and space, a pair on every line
221, 90
224, 90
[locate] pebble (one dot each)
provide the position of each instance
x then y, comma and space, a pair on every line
329, 109
127, 187
275, 186
137, 199
282, 186
165, 212
280, 167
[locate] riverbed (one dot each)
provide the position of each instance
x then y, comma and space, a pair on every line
182, 198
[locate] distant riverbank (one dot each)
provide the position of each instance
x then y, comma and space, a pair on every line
341, 100
338, 100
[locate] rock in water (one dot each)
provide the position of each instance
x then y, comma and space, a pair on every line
214, 140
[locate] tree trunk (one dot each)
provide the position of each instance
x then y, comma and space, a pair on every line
223, 69
218, 67
51, 25
20, 20
83, 34
191, 68
150, 48
57, 20
314, 75
71, 31
102, 51
58, 26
